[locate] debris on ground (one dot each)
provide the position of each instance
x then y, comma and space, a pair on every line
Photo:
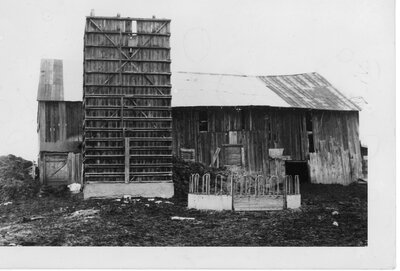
127, 198
335, 224
182, 218
84, 213
6, 203
335, 213
33, 218
74, 188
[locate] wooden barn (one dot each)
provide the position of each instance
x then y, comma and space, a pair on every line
127, 107
59, 127
223, 120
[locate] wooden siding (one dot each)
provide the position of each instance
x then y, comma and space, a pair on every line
336, 159
51, 86
257, 129
127, 100
59, 126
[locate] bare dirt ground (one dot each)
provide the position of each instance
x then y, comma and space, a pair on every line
331, 215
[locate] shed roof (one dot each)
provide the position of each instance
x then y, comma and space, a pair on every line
308, 90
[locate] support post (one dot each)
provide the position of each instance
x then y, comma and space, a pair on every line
127, 156
285, 179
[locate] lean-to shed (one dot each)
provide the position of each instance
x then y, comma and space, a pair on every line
237, 120
59, 127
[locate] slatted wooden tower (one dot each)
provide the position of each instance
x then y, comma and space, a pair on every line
127, 100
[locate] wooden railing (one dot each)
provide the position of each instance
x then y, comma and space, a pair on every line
244, 185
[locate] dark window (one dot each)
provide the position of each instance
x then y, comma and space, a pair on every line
203, 121
309, 128
242, 120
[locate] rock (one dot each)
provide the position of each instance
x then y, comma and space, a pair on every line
84, 213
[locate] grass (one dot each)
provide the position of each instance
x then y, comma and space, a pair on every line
146, 223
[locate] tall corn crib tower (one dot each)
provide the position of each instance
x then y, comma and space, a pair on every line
127, 105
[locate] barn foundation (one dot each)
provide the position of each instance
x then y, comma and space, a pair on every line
118, 190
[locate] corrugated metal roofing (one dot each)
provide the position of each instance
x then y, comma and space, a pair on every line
203, 89
309, 90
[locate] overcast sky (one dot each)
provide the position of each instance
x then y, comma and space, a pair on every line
349, 42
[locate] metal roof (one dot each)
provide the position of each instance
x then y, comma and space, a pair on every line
308, 90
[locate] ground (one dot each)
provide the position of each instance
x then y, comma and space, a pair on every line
331, 215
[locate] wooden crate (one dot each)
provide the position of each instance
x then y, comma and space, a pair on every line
127, 100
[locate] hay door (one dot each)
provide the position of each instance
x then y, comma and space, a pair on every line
56, 169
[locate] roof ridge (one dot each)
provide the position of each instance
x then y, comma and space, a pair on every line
246, 75
209, 73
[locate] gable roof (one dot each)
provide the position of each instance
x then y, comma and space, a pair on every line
308, 90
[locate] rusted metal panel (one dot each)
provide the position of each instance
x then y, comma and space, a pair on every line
51, 86
308, 90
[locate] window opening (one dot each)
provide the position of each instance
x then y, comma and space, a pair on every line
203, 121
309, 128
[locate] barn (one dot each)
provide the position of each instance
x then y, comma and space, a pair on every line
136, 115
235, 120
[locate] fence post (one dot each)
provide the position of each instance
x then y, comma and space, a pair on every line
190, 183
297, 184
285, 192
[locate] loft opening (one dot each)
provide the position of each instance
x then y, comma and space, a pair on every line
203, 121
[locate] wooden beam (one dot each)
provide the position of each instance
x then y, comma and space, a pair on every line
127, 162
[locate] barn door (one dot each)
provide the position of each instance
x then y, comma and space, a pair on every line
56, 169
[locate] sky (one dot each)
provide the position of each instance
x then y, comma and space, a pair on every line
349, 42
